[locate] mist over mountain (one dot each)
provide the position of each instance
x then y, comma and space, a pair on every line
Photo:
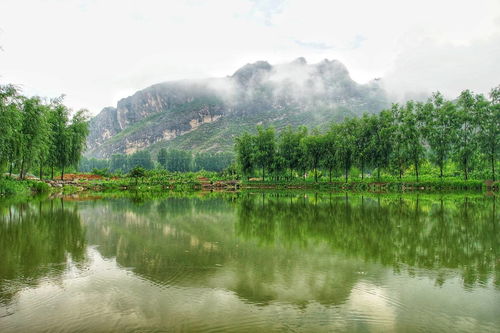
206, 115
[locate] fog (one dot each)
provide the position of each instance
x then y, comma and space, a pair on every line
97, 52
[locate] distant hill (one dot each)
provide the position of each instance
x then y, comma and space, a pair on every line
206, 115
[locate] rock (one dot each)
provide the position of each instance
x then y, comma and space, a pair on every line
177, 114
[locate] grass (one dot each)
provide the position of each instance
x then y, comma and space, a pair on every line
14, 187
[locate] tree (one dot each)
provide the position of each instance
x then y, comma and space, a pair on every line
399, 155
60, 137
362, 143
162, 158
264, 148
314, 150
412, 127
381, 143
245, 152
346, 144
77, 132
439, 128
289, 147
179, 160
137, 172
141, 158
34, 130
488, 115
119, 162
11, 120
465, 143
329, 157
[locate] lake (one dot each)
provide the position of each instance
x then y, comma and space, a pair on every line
251, 262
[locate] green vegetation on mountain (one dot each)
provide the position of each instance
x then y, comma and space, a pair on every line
207, 115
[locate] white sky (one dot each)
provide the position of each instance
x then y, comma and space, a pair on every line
97, 52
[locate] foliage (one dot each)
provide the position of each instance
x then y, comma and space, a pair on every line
463, 135
37, 134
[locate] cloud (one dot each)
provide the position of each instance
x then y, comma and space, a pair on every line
96, 52
429, 66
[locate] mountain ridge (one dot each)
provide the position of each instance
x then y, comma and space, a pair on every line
206, 114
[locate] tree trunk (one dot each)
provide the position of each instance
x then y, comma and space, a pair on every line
330, 174
10, 165
41, 172
315, 175
416, 169
378, 174
52, 172
346, 173
21, 174
493, 166
362, 169
62, 173
465, 169
263, 175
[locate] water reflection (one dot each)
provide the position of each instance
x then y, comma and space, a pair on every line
431, 233
310, 262
38, 240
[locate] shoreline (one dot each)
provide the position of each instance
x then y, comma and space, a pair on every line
34, 187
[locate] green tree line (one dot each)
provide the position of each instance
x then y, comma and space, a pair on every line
38, 136
172, 160
464, 132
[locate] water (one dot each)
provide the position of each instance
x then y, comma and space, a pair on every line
287, 262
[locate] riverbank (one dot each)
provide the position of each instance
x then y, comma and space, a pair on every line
90, 183
16, 187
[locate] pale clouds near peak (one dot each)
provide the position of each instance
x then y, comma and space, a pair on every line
96, 52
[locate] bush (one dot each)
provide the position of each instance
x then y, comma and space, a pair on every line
39, 187
101, 172
11, 187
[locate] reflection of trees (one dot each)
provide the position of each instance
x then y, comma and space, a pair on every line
191, 242
285, 248
161, 239
431, 234
35, 242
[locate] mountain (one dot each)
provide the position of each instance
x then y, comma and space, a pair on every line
206, 115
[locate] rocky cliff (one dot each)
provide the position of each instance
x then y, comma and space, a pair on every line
207, 114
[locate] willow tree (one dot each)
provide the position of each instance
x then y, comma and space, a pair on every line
10, 118
34, 131
60, 137
77, 135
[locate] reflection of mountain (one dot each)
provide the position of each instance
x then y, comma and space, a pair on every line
295, 249
191, 243
36, 242
265, 248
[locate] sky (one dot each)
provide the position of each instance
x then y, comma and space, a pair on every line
97, 52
